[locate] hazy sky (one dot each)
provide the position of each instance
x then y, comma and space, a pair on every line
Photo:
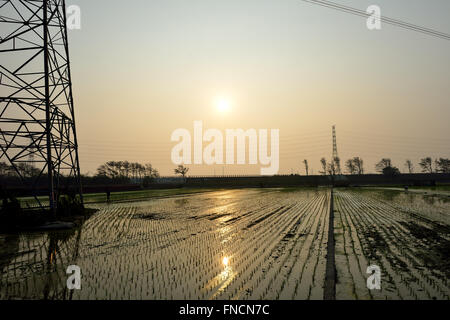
143, 68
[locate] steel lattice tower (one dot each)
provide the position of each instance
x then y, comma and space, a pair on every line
335, 157
36, 105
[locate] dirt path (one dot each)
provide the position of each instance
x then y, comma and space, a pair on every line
330, 276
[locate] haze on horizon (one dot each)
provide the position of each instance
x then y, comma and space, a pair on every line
142, 69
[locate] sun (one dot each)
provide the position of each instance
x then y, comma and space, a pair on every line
223, 105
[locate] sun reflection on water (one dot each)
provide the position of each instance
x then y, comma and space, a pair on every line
225, 261
219, 283
227, 275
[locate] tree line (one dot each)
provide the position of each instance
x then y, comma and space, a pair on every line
127, 170
355, 166
24, 169
427, 165
110, 169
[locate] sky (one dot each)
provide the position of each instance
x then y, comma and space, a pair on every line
143, 68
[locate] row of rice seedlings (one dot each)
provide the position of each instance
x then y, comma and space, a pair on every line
206, 266
439, 286
174, 255
41, 259
313, 274
435, 208
264, 279
237, 248
289, 272
411, 259
251, 258
351, 263
391, 288
125, 257
257, 277
239, 251
274, 254
209, 258
384, 219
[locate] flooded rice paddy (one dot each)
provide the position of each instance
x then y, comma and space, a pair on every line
239, 244
406, 235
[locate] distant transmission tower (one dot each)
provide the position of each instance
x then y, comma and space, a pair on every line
336, 159
32, 151
36, 105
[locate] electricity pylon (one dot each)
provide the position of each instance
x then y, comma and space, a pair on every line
36, 104
336, 159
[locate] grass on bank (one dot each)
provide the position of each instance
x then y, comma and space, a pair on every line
30, 202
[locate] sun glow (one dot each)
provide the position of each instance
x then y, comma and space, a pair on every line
223, 105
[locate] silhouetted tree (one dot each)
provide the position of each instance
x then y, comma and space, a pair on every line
384, 163
359, 165
350, 166
409, 166
426, 164
4, 169
149, 174
323, 162
331, 168
306, 167
385, 166
25, 170
391, 171
108, 170
337, 165
443, 165
126, 168
150, 171
181, 170
133, 169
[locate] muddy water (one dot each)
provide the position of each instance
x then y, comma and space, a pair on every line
244, 244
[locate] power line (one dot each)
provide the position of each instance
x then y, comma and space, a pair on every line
394, 22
